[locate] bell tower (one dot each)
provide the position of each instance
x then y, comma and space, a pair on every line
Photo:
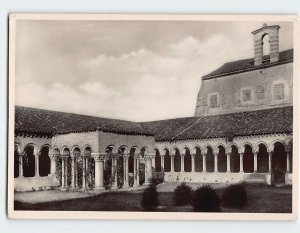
259, 34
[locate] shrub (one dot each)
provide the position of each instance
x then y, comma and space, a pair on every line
150, 198
206, 199
182, 194
156, 181
234, 196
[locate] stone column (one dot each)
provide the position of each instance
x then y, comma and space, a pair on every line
182, 163
37, 168
288, 169
20, 166
193, 162
228, 163
126, 173
52, 164
162, 162
172, 163
148, 169
99, 168
135, 184
83, 173
115, 175
73, 172
138, 171
241, 162
270, 161
216, 162
255, 162
63, 180
204, 162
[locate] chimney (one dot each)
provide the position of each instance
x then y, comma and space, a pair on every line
259, 34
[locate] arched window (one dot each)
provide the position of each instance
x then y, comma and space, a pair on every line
234, 160
187, 161
44, 162
29, 162
198, 160
248, 159
262, 159
279, 163
167, 161
210, 160
177, 161
157, 161
266, 48
222, 160
16, 163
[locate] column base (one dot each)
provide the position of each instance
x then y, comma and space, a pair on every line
268, 178
63, 189
98, 189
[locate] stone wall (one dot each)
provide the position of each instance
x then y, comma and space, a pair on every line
118, 140
260, 81
77, 139
22, 142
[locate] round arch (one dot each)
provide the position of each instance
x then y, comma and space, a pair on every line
157, 160
44, 160
210, 159
177, 159
187, 161
222, 159
248, 159
167, 160
234, 158
198, 159
28, 158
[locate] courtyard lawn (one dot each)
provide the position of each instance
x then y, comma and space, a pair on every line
261, 199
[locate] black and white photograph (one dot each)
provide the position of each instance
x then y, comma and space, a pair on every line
152, 117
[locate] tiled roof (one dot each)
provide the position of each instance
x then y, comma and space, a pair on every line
268, 121
32, 120
259, 122
247, 65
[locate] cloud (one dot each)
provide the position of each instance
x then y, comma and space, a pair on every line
139, 85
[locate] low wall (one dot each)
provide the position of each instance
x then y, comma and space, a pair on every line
22, 184
214, 177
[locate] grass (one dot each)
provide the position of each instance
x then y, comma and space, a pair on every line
261, 199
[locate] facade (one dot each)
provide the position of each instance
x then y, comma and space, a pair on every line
242, 131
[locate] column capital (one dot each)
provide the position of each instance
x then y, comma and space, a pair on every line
149, 156
193, 154
99, 156
52, 155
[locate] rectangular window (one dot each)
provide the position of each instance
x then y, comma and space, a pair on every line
247, 95
213, 101
260, 92
278, 92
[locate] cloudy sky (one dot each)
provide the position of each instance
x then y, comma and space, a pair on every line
133, 70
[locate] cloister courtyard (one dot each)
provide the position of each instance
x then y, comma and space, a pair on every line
261, 199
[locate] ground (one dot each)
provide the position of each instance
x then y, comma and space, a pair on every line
261, 199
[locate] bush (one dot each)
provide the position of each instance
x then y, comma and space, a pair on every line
156, 181
206, 199
150, 198
182, 194
234, 196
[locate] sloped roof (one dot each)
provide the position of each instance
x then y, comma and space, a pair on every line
52, 122
247, 65
259, 122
